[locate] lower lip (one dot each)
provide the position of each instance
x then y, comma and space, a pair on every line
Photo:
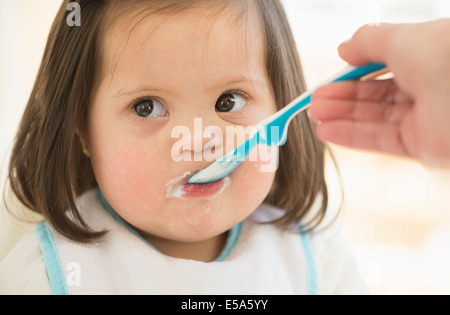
179, 188
202, 190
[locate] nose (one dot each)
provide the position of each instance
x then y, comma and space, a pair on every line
197, 142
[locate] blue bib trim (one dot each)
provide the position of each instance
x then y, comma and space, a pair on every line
311, 269
51, 258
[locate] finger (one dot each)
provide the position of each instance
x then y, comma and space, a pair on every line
328, 101
361, 111
380, 137
369, 44
372, 90
367, 101
338, 90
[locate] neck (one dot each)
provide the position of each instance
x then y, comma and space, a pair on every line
205, 251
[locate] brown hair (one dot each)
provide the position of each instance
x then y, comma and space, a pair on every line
48, 170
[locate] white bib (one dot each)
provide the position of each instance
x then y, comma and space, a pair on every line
257, 259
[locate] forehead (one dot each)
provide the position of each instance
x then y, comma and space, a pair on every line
206, 37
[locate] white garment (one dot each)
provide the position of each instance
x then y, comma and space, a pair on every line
264, 260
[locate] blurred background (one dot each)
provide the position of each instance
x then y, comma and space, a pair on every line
396, 212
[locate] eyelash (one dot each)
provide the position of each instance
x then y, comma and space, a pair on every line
141, 99
238, 92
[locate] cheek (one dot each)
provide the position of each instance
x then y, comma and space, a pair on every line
254, 178
129, 172
251, 189
131, 169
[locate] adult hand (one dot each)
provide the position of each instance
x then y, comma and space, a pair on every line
408, 115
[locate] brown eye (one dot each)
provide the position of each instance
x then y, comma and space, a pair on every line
230, 102
150, 108
144, 109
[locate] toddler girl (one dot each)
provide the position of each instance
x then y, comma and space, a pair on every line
94, 155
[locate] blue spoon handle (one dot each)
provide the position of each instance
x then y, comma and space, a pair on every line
274, 129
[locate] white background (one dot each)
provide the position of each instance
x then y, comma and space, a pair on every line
397, 212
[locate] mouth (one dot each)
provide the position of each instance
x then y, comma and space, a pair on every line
180, 188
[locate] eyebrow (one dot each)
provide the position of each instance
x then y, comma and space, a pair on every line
122, 92
244, 79
238, 80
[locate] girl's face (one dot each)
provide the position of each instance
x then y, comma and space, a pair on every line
157, 77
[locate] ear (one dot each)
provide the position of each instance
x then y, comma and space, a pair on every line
80, 130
